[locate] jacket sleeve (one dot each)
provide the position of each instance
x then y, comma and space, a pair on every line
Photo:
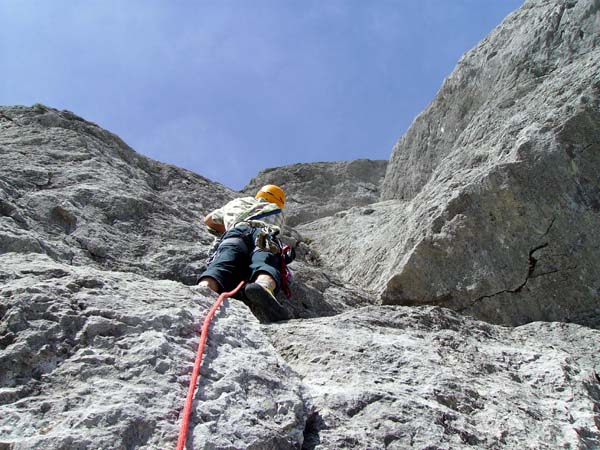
217, 216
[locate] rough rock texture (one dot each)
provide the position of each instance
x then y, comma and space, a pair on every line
496, 187
100, 249
79, 194
318, 291
537, 66
97, 330
318, 190
424, 378
96, 359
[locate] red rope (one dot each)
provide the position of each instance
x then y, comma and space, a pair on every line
285, 281
185, 422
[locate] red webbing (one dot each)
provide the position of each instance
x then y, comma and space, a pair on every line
185, 422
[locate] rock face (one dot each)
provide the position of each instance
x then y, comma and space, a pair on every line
96, 359
489, 206
316, 190
493, 196
321, 189
75, 192
423, 378
98, 331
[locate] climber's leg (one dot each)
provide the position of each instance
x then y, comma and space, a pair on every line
230, 264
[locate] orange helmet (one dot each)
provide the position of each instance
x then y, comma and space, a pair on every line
273, 194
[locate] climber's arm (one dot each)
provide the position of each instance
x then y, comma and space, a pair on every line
210, 223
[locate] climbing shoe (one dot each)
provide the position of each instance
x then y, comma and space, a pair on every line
265, 303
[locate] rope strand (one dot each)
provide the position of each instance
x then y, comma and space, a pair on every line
185, 422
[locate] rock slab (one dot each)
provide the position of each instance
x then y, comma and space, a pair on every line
393, 377
95, 359
78, 193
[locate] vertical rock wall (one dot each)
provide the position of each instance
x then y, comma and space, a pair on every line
493, 195
487, 100
78, 193
322, 189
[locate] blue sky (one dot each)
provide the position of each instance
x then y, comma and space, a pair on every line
226, 88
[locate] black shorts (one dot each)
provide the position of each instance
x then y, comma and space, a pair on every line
238, 259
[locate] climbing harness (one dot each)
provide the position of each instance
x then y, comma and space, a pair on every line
185, 421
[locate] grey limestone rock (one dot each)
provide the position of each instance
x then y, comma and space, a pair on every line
316, 190
537, 68
98, 333
392, 377
95, 359
489, 206
321, 189
318, 292
495, 184
79, 194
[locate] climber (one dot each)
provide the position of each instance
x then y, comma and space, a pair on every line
249, 249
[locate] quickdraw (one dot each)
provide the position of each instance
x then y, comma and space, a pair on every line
287, 255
